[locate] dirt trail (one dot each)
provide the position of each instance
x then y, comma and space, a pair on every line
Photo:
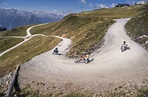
109, 69
26, 38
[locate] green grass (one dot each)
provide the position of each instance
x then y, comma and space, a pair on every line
25, 52
117, 12
87, 29
143, 92
29, 93
6, 43
44, 29
138, 26
81, 29
19, 31
88, 34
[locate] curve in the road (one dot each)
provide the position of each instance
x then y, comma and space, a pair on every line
110, 65
26, 38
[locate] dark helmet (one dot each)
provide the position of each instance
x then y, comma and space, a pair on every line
124, 42
56, 48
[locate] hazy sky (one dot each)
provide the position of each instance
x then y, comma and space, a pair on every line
60, 6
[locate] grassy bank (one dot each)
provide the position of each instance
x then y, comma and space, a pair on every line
137, 28
6, 44
46, 29
19, 31
117, 12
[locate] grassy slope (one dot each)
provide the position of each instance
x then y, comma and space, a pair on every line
20, 31
138, 26
83, 30
117, 12
86, 29
44, 29
6, 43
25, 52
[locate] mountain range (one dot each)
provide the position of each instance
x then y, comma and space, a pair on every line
11, 18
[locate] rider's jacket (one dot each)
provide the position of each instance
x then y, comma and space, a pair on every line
55, 51
124, 45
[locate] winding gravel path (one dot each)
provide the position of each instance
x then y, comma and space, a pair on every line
26, 38
109, 69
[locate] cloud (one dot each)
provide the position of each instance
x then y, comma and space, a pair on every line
58, 12
113, 5
83, 1
90, 5
101, 5
141, 2
130, 1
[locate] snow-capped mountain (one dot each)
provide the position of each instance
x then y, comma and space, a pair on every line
11, 18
